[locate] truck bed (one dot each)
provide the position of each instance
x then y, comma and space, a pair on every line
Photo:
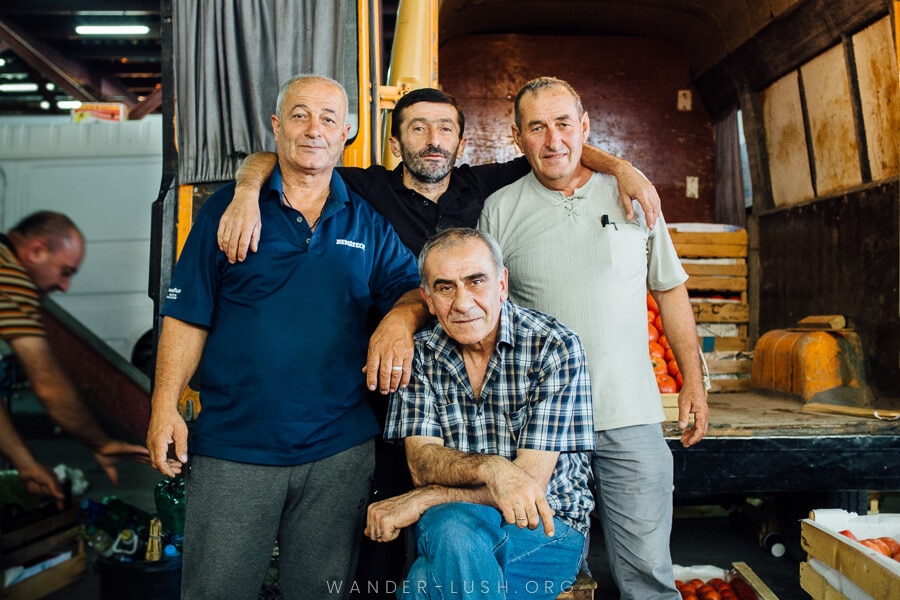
764, 443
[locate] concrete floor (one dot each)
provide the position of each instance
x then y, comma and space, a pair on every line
702, 535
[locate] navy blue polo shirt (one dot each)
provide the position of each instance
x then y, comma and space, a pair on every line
280, 379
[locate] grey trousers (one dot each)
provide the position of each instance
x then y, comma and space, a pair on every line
235, 512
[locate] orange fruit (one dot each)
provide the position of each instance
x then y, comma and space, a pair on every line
657, 322
876, 545
659, 365
892, 544
673, 368
667, 385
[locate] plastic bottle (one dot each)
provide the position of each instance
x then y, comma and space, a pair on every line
774, 543
169, 498
170, 552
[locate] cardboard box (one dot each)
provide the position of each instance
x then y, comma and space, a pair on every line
838, 567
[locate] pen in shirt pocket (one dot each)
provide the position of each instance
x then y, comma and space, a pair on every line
604, 221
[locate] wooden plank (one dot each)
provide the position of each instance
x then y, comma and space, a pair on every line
711, 250
728, 366
822, 322
47, 582
835, 409
720, 312
718, 284
723, 344
816, 585
34, 531
44, 545
718, 238
729, 386
719, 270
748, 575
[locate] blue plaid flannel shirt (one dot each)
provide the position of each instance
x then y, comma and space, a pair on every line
536, 395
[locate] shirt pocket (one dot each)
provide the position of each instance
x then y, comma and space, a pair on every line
627, 248
515, 422
450, 418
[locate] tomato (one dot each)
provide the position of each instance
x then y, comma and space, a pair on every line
849, 534
652, 332
876, 545
703, 589
892, 544
651, 316
662, 340
669, 354
657, 322
656, 349
659, 365
673, 368
716, 583
666, 384
711, 595
651, 303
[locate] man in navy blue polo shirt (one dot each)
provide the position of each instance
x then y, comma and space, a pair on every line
282, 447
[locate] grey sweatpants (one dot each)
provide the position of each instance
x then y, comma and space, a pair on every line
235, 512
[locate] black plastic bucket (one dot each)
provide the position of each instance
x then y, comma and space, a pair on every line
139, 580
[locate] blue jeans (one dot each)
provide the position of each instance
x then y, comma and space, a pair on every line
633, 476
469, 551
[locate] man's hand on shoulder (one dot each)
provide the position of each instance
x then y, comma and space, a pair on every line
634, 185
240, 225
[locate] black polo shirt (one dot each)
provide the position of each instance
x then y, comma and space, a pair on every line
415, 217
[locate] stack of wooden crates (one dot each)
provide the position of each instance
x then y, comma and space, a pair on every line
715, 258
41, 548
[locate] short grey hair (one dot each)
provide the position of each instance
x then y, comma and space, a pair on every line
540, 83
454, 236
279, 103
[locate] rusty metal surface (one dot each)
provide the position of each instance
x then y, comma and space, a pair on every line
629, 87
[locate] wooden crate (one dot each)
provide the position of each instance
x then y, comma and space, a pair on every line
52, 535
716, 263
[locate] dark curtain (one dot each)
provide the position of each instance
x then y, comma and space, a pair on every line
231, 57
729, 207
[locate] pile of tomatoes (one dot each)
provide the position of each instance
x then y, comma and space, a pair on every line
668, 375
715, 589
883, 545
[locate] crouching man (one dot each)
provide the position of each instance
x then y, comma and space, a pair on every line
498, 430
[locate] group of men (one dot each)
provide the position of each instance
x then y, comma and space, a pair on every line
514, 352
532, 378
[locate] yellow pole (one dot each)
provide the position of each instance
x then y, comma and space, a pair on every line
414, 56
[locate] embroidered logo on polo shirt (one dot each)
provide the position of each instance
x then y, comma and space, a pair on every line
359, 245
172, 293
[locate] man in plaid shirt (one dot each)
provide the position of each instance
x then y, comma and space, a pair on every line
498, 429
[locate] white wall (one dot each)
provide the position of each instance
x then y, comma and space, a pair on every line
105, 176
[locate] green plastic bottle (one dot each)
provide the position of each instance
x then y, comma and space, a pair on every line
169, 497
